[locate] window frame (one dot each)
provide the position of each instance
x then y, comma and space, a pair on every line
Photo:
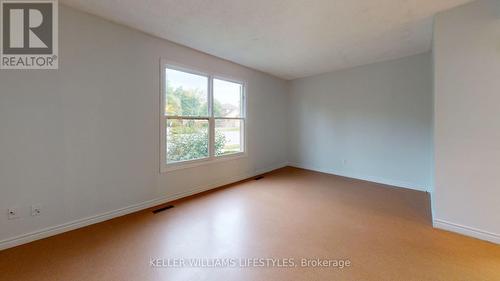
212, 158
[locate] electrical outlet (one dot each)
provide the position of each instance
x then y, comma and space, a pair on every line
12, 213
36, 210
344, 162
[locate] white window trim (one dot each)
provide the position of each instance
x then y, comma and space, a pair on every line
212, 159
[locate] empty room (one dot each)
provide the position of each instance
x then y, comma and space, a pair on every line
250, 140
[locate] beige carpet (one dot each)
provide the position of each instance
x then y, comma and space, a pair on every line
385, 233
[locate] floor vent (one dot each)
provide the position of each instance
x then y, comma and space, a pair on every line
162, 209
259, 178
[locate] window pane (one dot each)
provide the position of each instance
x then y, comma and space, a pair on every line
228, 136
186, 94
186, 140
227, 98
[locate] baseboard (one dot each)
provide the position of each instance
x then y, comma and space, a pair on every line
465, 230
54, 230
391, 182
271, 168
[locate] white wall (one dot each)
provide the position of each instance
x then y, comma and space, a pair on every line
467, 120
378, 118
84, 140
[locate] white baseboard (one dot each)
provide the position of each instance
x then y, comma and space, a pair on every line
54, 230
465, 230
271, 168
385, 181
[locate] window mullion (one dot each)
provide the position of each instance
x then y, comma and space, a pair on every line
188, 117
229, 118
211, 122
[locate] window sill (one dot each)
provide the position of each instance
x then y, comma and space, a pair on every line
201, 162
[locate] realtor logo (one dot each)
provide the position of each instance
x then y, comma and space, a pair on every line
29, 38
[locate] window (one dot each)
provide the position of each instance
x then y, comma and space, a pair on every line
203, 118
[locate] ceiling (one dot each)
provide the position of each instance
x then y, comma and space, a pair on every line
287, 38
